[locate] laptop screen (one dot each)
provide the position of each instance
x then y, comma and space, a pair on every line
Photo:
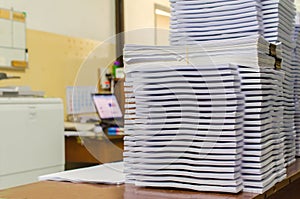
107, 106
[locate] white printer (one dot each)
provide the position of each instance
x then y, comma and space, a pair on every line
32, 139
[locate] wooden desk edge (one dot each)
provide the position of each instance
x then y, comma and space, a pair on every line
131, 190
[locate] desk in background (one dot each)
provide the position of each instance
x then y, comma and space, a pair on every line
89, 148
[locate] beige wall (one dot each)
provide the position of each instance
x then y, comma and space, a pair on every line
139, 15
92, 19
162, 33
61, 35
297, 2
57, 61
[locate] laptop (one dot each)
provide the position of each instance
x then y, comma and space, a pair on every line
108, 109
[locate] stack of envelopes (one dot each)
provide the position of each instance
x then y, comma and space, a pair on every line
203, 20
279, 19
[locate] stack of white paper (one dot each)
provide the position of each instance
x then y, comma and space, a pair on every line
262, 159
296, 65
202, 20
269, 94
263, 163
278, 19
109, 173
210, 20
188, 127
251, 51
277, 115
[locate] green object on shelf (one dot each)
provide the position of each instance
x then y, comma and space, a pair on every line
115, 67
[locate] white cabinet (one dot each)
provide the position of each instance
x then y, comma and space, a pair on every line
13, 52
32, 139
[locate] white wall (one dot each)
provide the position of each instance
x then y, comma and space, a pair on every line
139, 15
92, 19
297, 2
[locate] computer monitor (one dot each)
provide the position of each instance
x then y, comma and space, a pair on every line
107, 106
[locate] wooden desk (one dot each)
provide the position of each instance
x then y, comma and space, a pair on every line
288, 189
93, 149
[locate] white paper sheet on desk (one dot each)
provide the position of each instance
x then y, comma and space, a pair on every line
168, 95
190, 143
257, 135
217, 22
199, 18
266, 172
181, 170
261, 98
188, 179
213, 11
257, 75
264, 185
251, 168
110, 173
198, 128
191, 83
191, 136
221, 104
169, 154
258, 159
225, 136
179, 36
251, 41
207, 152
179, 159
259, 152
194, 114
195, 75
247, 57
258, 129
258, 140
258, 115
195, 32
198, 4
186, 107
202, 27
260, 146
169, 122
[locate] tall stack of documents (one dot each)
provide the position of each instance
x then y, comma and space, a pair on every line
196, 21
262, 157
188, 127
277, 115
202, 20
216, 20
263, 163
296, 65
278, 19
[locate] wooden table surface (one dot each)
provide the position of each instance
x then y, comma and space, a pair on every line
94, 149
289, 188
